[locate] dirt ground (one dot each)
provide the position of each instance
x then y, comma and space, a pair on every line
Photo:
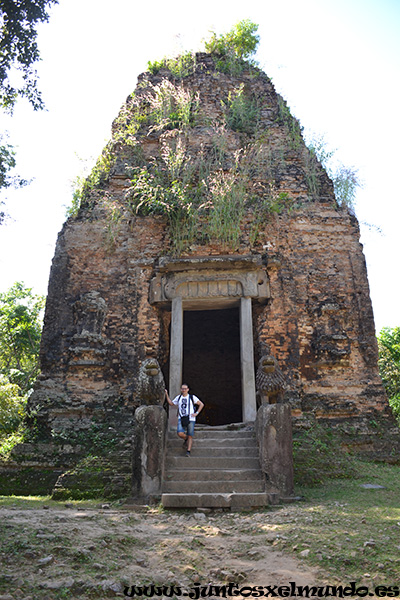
69, 552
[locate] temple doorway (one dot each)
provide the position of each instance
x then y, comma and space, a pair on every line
211, 363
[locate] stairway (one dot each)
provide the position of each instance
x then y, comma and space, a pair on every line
223, 470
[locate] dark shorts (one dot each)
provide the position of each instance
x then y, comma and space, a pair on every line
189, 430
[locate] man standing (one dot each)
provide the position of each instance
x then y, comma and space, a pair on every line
186, 414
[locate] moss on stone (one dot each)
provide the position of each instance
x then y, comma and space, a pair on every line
27, 481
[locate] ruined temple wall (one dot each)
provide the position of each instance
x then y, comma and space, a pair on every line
84, 373
318, 323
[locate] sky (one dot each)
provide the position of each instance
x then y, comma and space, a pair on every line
336, 62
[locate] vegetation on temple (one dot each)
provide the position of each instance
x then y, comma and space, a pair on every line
239, 43
204, 197
231, 52
345, 179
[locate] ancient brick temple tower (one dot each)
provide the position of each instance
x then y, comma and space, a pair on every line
208, 237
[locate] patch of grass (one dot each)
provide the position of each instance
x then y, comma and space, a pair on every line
180, 66
242, 111
122, 541
98, 177
37, 502
317, 456
350, 531
171, 106
227, 193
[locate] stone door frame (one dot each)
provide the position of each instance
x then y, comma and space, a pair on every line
210, 283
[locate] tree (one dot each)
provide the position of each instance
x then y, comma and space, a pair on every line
240, 42
20, 332
389, 365
19, 51
12, 406
7, 164
18, 54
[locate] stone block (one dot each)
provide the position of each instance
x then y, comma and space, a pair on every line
274, 436
148, 450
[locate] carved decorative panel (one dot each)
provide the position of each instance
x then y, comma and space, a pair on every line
209, 279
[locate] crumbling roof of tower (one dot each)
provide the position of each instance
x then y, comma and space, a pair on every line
200, 142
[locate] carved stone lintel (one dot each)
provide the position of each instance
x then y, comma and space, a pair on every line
210, 278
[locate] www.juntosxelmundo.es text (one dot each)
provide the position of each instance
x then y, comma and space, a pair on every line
262, 591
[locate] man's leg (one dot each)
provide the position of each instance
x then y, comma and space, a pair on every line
190, 434
181, 432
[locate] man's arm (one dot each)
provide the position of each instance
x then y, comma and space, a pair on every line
169, 399
199, 409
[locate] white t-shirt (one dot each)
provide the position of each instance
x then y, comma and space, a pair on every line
183, 405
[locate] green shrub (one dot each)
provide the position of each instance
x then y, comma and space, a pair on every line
240, 42
8, 442
232, 51
12, 406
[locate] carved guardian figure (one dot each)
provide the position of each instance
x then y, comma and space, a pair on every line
270, 381
151, 383
89, 313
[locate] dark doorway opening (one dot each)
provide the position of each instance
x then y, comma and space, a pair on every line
211, 363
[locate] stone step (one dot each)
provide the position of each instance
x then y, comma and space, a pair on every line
214, 475
231, 500
247, 442
217, 441
223, 470
211, 432
211, 487
212, 462
215, 452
